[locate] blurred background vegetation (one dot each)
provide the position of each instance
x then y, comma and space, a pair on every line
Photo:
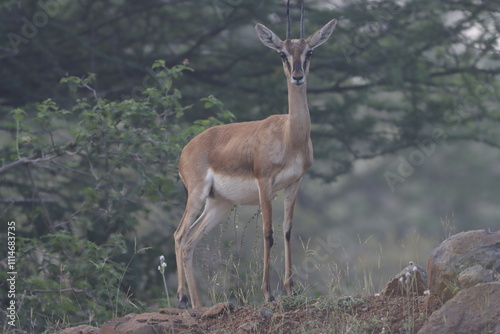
97, 98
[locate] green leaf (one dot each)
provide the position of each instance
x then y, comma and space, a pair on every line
18, 114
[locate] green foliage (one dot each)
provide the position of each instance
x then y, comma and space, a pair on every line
79, 179
113, 156
63, 280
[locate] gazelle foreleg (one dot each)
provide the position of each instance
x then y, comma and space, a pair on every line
267, 213
289, 201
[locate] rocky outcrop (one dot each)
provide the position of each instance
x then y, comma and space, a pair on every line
463, 260
412, 280
472, 310
475, 275
165, 321
146, 323
82, 329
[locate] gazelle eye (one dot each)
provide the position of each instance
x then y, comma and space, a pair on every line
283, 55
309, 54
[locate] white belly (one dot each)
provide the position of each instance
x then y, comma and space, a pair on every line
245, 191
240, 191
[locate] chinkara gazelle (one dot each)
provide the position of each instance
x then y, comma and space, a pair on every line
247, 163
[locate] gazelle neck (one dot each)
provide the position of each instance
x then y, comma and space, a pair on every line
299, 125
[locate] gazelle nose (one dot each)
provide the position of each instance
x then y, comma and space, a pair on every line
298, 80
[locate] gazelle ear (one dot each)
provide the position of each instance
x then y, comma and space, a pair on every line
322, 35
268, 38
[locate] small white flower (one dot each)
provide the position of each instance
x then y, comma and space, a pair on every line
164, 265
408, 274
159, 268
162, 258
401, 279
414, 268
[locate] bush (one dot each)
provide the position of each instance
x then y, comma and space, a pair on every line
80, 178
63, 280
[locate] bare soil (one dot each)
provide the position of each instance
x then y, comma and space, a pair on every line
298, 314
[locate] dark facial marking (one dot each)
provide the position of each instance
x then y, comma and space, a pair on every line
284, 59
295, 48
296, 66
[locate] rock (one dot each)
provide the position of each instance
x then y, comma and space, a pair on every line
265, 312
410, 281
147, 323
458, 253
166, 321
475, 275
472, 310
218, 309
151, 323
82, 329
110, 327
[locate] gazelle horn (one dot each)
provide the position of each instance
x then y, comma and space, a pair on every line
288, 22
302, 19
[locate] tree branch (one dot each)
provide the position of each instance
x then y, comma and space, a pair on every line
24, 161
25, 200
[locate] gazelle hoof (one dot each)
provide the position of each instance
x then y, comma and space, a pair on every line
183, 303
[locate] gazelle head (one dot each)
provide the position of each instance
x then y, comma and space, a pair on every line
295, 53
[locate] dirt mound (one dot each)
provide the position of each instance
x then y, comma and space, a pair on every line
296, 314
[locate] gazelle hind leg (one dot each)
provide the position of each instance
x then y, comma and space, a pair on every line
215, 211
196, 199
190, 213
